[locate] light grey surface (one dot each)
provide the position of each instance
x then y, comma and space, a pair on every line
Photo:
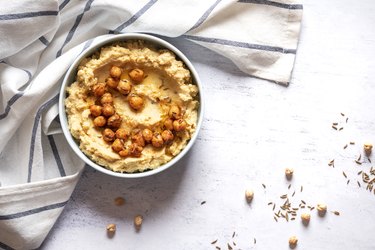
253, 130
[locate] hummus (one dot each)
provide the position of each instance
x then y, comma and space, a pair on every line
156, 113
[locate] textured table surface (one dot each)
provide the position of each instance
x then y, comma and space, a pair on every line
252, 131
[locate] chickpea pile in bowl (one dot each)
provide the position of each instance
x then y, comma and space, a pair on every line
108, 121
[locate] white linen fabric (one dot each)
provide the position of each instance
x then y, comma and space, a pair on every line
40, 39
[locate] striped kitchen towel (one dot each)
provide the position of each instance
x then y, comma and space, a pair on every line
40, 39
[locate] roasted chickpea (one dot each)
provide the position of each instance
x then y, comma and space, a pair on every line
100, 121
108, 135
135, 150
137, 75
157, 140
124, 86
179, 125
95, 110
167, 136
111, 82
108, 110
147, 135
124, 153
117, 145
122, 134
136, 102
175, 112
99, 89
115, 72
106, 99
138, 139
168, 124
114, 121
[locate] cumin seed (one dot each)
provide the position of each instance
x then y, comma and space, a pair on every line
352, 143
264, 186
358, 162
289, 186
255, 241
359, 184
214, 242
343, 173
342, 114
346, 145
336, 213
234, 233
334, 127
301, 188
335, 123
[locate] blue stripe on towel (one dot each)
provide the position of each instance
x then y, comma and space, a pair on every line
74, 28
56, 155
240, 44
34, 131
33, 211
134, 17
28, 15
275, 4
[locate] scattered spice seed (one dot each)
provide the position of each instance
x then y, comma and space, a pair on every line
342, 114
369, 160
264, 186
358, 162
301, 188
335, 123
214, 242
303, 201
218, 248
289, 186
234, 233
346, 145
203, 202
360, 172
270, 203
347, 119
293, 193
341, 128
293, 218
275, 218
234, 243
255, 241
229, 247
343, 173
359, 157
359, 184
352, 143
347, 182
331, 163
334, 127
274, 205
336, 213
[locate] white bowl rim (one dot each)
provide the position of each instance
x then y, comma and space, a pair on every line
94, 47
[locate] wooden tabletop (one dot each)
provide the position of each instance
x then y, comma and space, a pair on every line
253, 129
